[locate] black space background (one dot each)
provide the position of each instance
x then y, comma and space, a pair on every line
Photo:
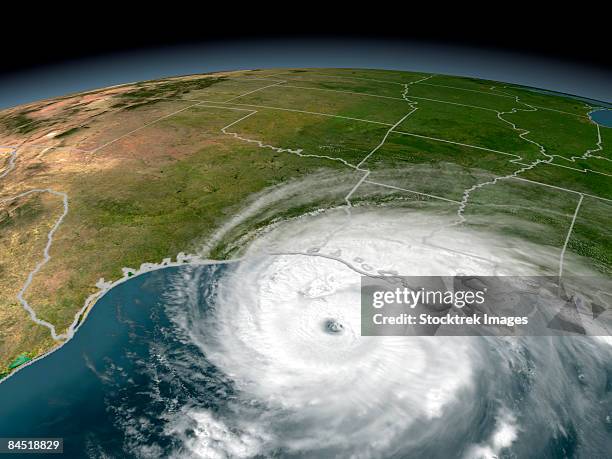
38, 36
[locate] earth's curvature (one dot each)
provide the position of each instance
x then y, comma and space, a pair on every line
279, 189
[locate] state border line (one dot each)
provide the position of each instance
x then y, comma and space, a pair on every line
202, 102
569, 234
222, 105
429, 84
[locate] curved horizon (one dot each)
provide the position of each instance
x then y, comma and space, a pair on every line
567, 78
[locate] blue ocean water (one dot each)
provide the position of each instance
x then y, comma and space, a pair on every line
602, 117
77, 393
124, 386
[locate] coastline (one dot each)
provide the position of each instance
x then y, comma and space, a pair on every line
182, 259
599, 109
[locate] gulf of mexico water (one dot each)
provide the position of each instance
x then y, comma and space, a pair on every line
107, 390
136, 382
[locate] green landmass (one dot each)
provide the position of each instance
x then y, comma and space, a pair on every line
150, 171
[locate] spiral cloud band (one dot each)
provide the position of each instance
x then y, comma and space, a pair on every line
283, 326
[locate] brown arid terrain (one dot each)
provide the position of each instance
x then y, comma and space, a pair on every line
145, 178
112, 178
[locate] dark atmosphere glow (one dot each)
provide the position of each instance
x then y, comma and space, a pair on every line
133, 66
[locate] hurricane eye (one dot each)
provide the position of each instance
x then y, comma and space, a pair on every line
333, 326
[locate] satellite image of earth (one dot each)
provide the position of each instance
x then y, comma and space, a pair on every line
180, 266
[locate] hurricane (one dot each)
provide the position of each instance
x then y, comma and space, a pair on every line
280, 329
